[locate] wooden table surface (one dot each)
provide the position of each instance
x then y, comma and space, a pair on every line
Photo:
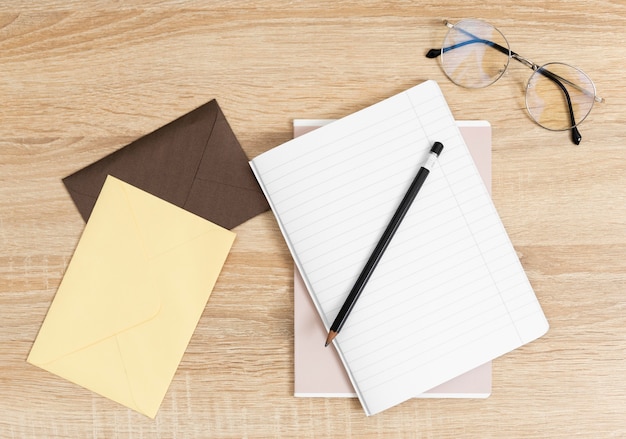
82, 79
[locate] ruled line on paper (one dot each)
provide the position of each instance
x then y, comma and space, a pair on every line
325, 152
409, 367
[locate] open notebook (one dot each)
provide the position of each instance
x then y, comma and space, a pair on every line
318, 371
449, 294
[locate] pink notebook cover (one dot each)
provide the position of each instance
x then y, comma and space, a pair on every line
318, 370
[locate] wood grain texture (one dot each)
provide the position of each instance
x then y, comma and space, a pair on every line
81, 79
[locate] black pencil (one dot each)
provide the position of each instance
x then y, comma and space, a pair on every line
383, 243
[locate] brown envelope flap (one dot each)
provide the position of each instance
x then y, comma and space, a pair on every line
166, 163
225, 187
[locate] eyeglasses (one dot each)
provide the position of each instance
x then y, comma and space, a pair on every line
475, 54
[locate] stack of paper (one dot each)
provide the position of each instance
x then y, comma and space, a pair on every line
449, 293
318, 370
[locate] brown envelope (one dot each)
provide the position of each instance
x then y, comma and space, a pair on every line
194, 162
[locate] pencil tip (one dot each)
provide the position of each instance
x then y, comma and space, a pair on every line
330, 338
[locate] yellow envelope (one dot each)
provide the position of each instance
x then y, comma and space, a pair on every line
131, 297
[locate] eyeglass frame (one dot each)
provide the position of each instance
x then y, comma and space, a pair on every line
558, 80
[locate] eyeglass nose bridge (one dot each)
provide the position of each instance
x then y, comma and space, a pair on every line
528, 63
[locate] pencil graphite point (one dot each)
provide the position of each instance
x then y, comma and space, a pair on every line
330, 338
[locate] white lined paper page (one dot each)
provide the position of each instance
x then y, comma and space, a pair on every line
449, 293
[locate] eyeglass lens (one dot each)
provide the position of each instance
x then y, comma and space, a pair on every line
469, 57
559, 96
